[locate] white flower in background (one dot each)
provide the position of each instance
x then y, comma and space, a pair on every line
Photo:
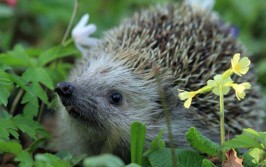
203, 4
81, 34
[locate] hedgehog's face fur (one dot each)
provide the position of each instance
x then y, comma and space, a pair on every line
108, 95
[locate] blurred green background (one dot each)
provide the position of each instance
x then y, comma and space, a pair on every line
42, 23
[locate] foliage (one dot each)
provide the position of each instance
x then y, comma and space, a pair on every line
201, 143
29, 74
32, 62
138, 131
106, 160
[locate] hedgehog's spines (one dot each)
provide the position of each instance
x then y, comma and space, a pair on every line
189, 44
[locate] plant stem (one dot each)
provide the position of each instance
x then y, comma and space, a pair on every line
221, 120
70, 22
168, 121
16, 100
41, 108
221, 114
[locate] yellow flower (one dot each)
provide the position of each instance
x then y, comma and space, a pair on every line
217, 81
188, 97
240, 66
240, 88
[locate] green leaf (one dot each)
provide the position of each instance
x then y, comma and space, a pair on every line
24, 159
37, 91
4, 133
254, 157
104, 160
156, 144
55, 53
27, 125
184, 158
5, 86
38, 75
248, 139
59, 72
36, 144
133, 165
20, 82
10, 147
7, 127
138, 131
201, 143
43, 160
4, 67
207, 163
31, 109
16, 57
77, 159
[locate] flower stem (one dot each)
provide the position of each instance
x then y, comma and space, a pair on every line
15, 102
221, 114
221, 120
71, 21
167, 117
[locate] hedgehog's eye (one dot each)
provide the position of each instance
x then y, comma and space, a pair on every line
115, 98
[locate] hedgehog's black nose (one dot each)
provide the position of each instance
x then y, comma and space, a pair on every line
64, 89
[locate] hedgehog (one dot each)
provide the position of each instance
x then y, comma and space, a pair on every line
121, 79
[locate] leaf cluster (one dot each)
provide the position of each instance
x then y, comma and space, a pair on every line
27, 77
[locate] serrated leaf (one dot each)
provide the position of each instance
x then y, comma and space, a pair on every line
20, 82
10, 147
24, 159
16, 57
7, 127
254, 157
14, 133
201, 143
38, 75
55, 53
4, 133
185, 158
31, 109
5, 86
138, 131
4, 95
27, 125
106, 160
37, 91
248, 139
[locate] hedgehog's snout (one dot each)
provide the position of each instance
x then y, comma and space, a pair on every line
64, 89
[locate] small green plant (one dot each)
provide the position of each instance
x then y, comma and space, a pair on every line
138, 131
220, 86
29, 74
